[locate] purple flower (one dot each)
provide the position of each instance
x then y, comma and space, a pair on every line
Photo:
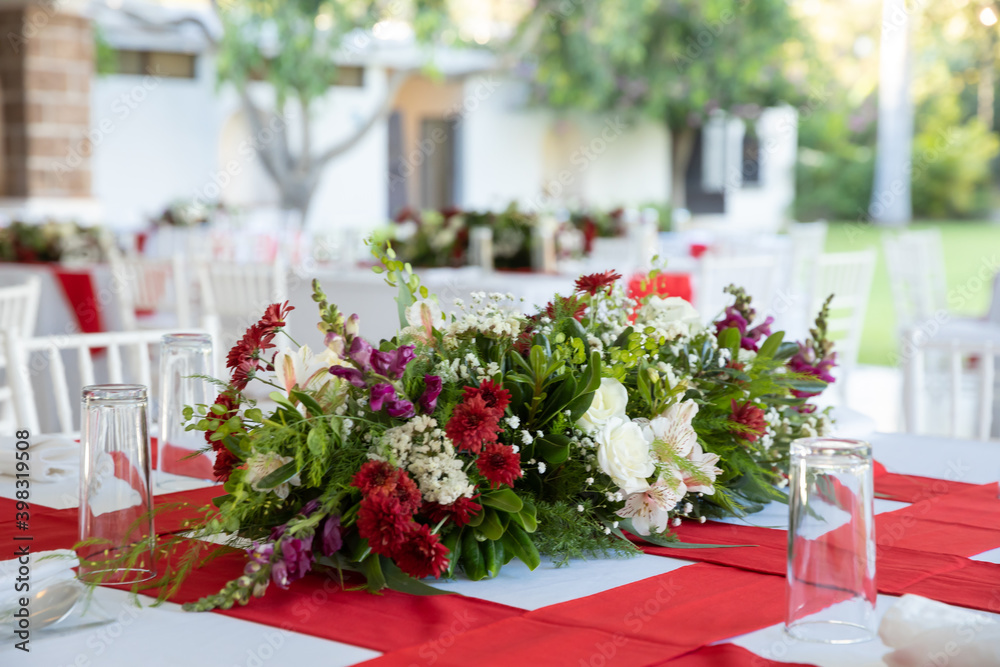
279, 574
330, 540
352, 375
732, 319
392, 364
297, 558
309, 507
334, 342
753, 337
261, 553
361, 353
432, 389
379, 395
277, 532
400, 407
805, 362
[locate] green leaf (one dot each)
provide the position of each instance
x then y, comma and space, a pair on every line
491, 559
580, 405
279, 476
554, 448
454, 543
518, 542
403, 301
371, 567
502, 499
771, 345
472, 557
398, 580
730, 340
490, 527
595, 366
316, 441
311, 405
527, 518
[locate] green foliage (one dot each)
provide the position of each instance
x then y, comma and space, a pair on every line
673, 62
564, 533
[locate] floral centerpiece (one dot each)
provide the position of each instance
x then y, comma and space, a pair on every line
441, 238
472, 439
52, 242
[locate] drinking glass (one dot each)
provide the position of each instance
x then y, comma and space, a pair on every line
183, 358
116, 519
481, 248
831, 542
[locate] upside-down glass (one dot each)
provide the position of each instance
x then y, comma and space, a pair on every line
183, 356
116, 520
831, 542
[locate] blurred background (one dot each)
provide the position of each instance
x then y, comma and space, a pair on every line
522, 135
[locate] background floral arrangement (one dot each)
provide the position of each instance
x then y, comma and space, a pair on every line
52, 242
487, 435
441, 238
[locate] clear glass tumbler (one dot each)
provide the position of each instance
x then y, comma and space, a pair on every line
831, 542
183, 357
116, 518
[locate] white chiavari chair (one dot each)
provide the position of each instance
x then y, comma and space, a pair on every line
848, 276
237, 293
959, 402
38, 368
757, 274
159, 288
18, 314
915, 260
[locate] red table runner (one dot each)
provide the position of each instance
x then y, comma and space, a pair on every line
78, 288
667, 619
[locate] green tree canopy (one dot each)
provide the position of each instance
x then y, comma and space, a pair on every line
674, 61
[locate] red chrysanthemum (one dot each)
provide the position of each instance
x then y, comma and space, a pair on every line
243, 373
421, 554
460, 512
374, 475
382, 521
566, 306
472, 423
499, 464
751, 417
225, 461
230, 403
275, 315
406, 492
494, 395
256, 339
595, 282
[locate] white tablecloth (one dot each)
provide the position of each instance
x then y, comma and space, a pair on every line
167, 636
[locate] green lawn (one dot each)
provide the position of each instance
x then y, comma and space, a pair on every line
969, 248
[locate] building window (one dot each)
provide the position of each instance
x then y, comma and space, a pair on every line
157, 63
347, 76
751, 157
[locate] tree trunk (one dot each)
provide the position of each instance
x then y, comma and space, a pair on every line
891, 202
681, 148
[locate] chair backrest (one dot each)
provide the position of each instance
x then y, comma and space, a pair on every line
969, 369
232, 289
19, 306
152, 285
848, 276
757, 274
29, 358
808, 239
916, 275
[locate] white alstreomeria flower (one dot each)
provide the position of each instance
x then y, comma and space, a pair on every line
623, 454
260, 466
704, 466
609, 403
424, 313
649, 510
672, 431
303, 368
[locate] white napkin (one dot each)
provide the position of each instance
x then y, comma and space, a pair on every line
44, 572
51, 460
926, 633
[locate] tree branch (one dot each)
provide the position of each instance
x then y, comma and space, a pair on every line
162, 25
277, 168
380, 113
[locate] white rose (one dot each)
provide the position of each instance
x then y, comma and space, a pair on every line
623, 453
609, 402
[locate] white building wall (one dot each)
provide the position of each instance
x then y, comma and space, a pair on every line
630, 165
768, 205
154, 140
